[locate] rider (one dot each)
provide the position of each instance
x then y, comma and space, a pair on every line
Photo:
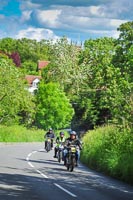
59, 139
50, 134
74, 141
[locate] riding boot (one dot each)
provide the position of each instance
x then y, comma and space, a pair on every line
55, 153
45, 144
64, 160
76, 164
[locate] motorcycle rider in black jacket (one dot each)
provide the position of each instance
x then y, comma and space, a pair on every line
50, 134
74, 141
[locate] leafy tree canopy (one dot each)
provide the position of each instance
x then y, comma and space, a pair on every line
15, 102
53, 107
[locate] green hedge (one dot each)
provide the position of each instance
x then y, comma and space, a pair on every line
110, 150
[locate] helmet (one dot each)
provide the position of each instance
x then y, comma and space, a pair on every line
50, 129
61, 133
72, 133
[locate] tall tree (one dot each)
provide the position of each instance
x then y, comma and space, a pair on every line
16, 58
123, 60
93, 105
63, 67
8, 45
15, 102
108, 96
124, 46
53, 107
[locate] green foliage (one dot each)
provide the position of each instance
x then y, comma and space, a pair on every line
53, 107
98, 75
17, 133
63, 67
123, 60
124, 51
130, 63
123, 45
110, 149
30, 51
29, 67
15, 102
8, 45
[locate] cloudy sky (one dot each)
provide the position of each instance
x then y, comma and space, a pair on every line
76, 19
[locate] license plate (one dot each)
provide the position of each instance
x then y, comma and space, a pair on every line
73, 150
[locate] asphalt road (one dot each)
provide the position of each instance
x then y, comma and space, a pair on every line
27, 172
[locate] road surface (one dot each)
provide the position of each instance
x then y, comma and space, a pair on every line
27, 172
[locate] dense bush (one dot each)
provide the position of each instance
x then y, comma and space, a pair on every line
109, 149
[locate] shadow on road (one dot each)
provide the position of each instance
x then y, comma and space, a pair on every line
16, 186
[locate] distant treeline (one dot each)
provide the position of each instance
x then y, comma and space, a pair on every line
82, 86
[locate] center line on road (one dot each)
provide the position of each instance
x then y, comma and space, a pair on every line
73, 195
42, 174
30, 164
57, 185
28, 159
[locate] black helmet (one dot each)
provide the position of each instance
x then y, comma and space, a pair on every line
72, 133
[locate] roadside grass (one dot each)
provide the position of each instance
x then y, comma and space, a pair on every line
17, 133
109, 150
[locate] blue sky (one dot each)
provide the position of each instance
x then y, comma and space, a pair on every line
78, 20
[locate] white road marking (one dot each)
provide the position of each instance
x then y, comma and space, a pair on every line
28, 158
30, 164
57, 185
42, 174
73, 195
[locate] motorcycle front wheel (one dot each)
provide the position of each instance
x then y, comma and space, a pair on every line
59, 156
48, 146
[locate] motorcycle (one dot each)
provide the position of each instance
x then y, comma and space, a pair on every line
71, 157
48, 144
60, 152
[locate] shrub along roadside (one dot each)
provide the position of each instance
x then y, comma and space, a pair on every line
110, 150
20, 134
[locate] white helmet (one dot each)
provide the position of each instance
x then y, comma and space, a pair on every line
73, 133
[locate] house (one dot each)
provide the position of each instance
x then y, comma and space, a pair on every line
32, 81
41, 64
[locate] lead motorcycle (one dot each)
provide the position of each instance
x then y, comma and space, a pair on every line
71, 157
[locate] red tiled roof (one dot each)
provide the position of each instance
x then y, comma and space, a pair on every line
42, 64
31, 78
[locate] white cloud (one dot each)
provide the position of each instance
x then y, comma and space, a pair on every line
25, 16
36, 33
96, 10
94, 17
68, 18
105, 33
116, 22
48, 17
28, 5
